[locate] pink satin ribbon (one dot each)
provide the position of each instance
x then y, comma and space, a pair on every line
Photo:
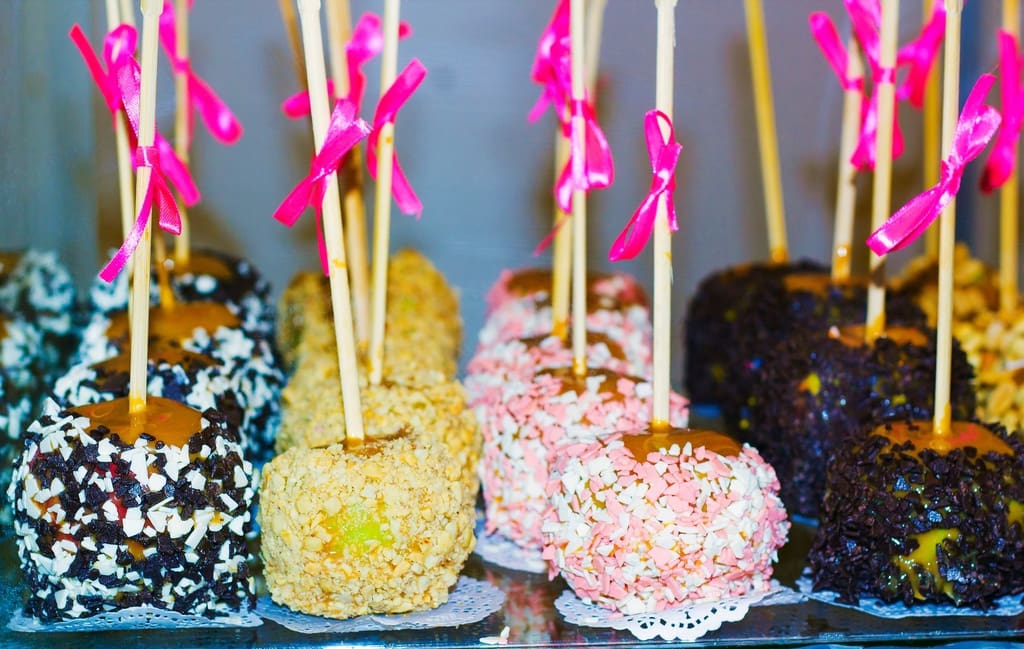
366, 43
157, 191
118, 49
390, 103
592, 168
119, 83
344, 132
976, 125
664, 155
552, 65
216, 115
1003, 159
918, 56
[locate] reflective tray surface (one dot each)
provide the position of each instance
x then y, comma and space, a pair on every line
530, 614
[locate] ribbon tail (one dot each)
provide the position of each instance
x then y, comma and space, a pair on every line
294, 204
546, 241
177, 172
1000, 162
99, 76
296, 106
539, 107
825, 34
117, 263
216, 115
638, 231
564, 187
599, 165
897, 135
402, 191
909, 222
168, 216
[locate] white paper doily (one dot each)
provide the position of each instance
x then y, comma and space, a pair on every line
496, 549
471, 601
685, 623
1006, 606
131, 619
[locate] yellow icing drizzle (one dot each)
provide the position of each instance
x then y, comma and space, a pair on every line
926, 557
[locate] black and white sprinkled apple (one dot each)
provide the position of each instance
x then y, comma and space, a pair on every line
249, 362
19, 375
192, 379
39, 288
103, 525
231, 281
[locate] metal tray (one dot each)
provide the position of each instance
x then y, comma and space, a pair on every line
533, 620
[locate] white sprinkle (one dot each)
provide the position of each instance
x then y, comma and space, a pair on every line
501, 639
133, 522
157, 481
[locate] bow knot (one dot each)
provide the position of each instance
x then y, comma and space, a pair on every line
974, 129
590, 164
119, 83
663, 152
146, 156
344, 131
366, 43
216, 115
157, 191
1003, 159
390, 103
118, 50
918, 56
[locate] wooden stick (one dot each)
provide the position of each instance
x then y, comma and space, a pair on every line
1008, 202
137, 380
163, 277
339, 32
846, 185
662, 235
183, 243
382, 203
127, 13
771, 176
124, 153
291, 27
579, 197
882, 194
930, 138
942, 422
561, 259
595, 25
316, 80
562, 254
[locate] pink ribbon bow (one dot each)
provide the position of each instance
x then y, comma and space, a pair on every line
118, 49
367, 43
119, 85
919, 56
664, 154
551, 66
219, 119
157, 191
1003, 158
390, 103
976, 125
865, 16
344, 132
593, 168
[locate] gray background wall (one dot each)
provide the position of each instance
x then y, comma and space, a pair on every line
482, 171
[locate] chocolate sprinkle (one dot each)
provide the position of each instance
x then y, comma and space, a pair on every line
814, 392
869, 517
